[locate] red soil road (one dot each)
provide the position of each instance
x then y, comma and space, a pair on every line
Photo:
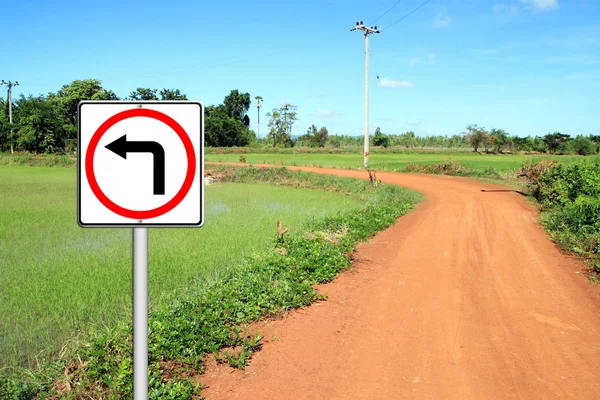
464, 298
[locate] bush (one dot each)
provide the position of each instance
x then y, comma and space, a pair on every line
533, 169
585, 210
569, 195
583, 146
381, 139
562, 184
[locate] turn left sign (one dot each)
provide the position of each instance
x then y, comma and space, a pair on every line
140, 164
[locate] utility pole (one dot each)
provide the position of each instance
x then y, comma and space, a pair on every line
367, 31
258, 106
10, 86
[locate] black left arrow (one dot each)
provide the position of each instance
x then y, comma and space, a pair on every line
121, 147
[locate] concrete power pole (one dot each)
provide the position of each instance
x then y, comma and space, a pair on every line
367, 31
10, 86
258, 106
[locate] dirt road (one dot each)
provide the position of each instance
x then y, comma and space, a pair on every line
465, 298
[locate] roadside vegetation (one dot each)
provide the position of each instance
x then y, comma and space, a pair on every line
210, 315
569, 201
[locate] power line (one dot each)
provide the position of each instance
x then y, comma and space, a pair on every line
391, 8
406, 16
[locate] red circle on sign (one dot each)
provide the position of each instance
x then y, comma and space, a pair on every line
189, 177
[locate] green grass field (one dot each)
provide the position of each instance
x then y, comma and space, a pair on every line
57, 279
393, 162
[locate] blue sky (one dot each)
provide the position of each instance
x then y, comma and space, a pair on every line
527, 66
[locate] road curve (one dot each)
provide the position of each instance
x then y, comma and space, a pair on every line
464, 298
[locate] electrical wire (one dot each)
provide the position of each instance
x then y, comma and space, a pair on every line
391, 8
406, 16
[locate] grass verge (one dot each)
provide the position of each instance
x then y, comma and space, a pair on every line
212, 316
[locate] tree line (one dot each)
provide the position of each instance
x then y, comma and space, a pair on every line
48, 124
498, 141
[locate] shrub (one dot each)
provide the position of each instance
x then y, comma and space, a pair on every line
562, 184
570, 198
533, 169
381, 139
583, 146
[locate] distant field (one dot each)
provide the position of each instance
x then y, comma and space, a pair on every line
392, 162
57, 278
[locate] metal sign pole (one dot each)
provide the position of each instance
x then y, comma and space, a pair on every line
140, 313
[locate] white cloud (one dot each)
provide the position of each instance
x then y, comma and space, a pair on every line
327, 113
414, 60
431, 58
390, 83
541, 4
441, 19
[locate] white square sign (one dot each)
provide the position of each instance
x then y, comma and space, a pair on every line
140, 164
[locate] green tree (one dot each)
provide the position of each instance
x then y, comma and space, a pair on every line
583, 146
381, 139
280, 125
277, 127
289, 115
314, 137
237, 105
499, 138
144, 94
38, 127
67, 99
555, 140
596, 140
5, 136
521, 143
223, 131
172, 94
477, 136
322, 136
